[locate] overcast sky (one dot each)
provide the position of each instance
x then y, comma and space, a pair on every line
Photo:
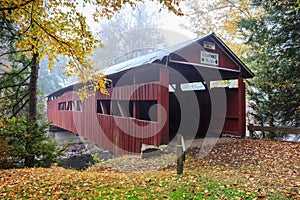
169, 22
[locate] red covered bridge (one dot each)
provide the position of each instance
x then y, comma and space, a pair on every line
155, 96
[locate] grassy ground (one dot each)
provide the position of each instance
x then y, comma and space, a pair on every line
234, 169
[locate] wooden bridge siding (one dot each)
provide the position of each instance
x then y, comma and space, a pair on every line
231, 125
235, 123
62, 118
242, 106
132, 142
103, 129
163, 99
122, 135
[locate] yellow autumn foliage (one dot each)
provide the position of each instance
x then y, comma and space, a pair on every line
221, 17
50, 28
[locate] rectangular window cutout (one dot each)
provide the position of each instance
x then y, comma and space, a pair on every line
146, 110
69, 105
99, 107
172, 87
62, 106
224, 83
126, 108
116, 111
192, 86
103, 107
73, 105
78, 105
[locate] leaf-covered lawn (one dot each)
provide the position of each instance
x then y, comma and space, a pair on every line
235, 169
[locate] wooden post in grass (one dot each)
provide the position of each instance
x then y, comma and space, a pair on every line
251, 132
179, 151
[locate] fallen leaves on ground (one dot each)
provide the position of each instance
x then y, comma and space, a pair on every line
134, 163
234, 169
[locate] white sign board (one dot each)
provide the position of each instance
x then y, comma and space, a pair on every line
209, 45
209, 58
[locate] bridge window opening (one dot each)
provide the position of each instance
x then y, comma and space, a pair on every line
172, 87
126, 107
73, 106
192, 86
62, 106
122, 108
78, 106
99, 107
224, 84
146, 110
116, 110
103, 107
108, 84
69, 105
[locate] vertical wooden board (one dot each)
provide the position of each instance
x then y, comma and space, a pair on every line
141, 92
144, 92
104, 125
243, 109
136, 128
131, 124
125, 134
120, 92
136, 93
146, 87
153, 131
122, 125
242, 106
136, 142
129, 93
150, 91
141, 95
110, 127
133, 92
147, 91
165, 98
125, 141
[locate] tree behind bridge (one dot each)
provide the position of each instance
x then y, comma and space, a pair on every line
274, 39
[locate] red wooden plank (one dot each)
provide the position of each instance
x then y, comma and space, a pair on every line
242, 106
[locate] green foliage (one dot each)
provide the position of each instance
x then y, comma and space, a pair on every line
16, 77
274, 58
14, 84
25, 144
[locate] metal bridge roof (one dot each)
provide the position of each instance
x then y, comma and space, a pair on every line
147, 59
159, 56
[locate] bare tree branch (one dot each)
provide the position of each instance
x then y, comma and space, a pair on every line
17, 51
16, 85
22, 106
15, 73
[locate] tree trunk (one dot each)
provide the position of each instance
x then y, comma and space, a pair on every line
32, 114
33, 88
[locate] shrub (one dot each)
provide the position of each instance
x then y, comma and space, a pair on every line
24, 143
